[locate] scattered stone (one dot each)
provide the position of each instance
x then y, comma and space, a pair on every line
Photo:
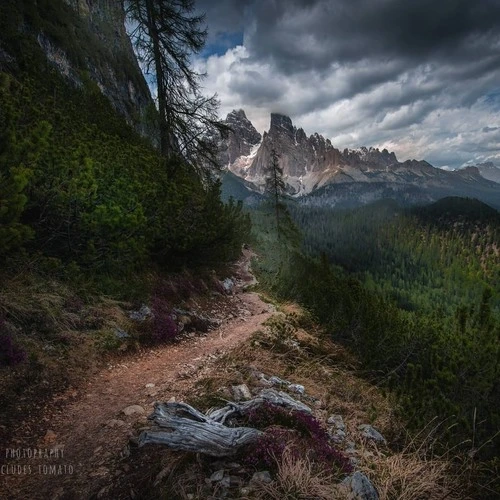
113, 423
337, 421
261, 477
369, 432
217, 476
50, 437
350, 447
233, 465
241, 392
338, 436
142, 314
277, 381
133, 409
194, 321
121, 334
153, 391
228, 285
297, 388
361, 487
225, 482
292, 343
149, 386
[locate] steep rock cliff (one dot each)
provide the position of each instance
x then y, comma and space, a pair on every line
86, 41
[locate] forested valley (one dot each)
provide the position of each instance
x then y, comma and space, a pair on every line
414, 292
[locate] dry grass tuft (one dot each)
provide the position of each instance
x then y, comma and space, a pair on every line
413, 473
297, 478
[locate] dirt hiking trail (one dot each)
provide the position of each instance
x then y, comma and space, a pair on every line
94, 422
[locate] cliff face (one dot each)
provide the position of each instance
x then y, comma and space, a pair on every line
87, 42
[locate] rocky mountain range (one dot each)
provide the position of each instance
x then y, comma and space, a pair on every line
319, 173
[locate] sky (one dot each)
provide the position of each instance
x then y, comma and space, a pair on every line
418, 77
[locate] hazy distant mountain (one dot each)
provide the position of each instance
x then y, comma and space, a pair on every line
489, 171
321, 174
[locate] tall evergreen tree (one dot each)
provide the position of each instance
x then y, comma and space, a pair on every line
275, 189
165, 34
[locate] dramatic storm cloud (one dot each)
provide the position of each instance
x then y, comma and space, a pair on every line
420, 77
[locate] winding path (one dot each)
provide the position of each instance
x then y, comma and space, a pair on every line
92, 430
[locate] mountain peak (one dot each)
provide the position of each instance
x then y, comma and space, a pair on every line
279, 121
238, 114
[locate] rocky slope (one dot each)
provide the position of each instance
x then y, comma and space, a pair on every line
86, 41
313, 165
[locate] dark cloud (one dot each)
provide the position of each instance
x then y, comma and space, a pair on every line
421, 77
223, 16
301, 35
256, 88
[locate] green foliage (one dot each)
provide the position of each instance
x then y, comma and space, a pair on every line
438, 351
78, 185
19, 153
441, 256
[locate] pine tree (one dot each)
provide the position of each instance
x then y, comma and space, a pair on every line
275, 189
166, 34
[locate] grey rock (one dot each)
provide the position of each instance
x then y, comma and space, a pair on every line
217, 476
360, 487
337, 421
234, 481
278, 381
115, 423
241, 392
133, 410
195, 321
103, 23
369, 432
338, 436
350, 447
225, 482
261, 477
121, 334
297, 388
228, 285
142, 314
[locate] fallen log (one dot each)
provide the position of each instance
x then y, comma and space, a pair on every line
181, 427
272, 396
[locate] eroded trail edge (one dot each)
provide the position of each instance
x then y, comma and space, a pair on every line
92, 431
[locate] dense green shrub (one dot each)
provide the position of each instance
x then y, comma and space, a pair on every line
83, 192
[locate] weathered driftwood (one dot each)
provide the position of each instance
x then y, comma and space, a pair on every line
182, 427
277, 398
